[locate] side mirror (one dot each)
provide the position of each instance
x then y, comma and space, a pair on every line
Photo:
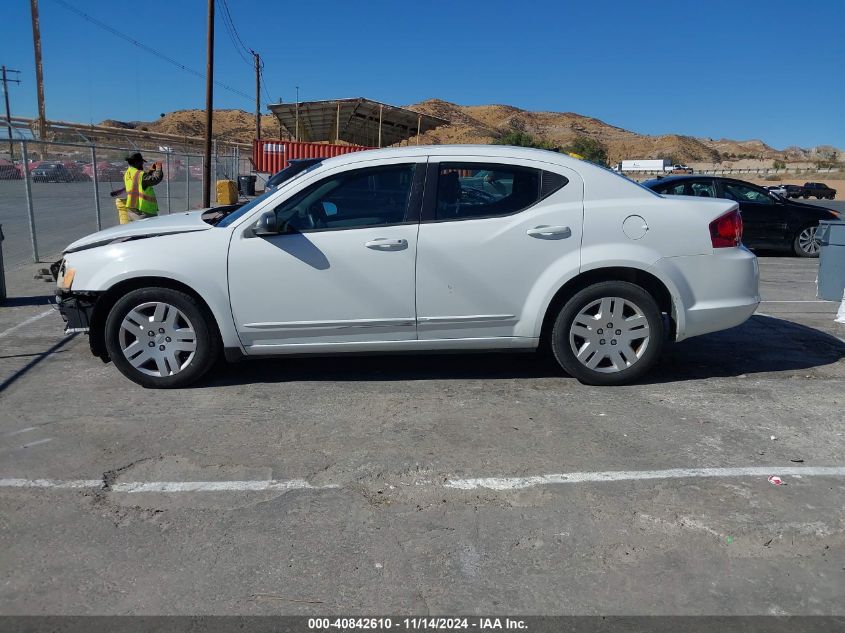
266, 224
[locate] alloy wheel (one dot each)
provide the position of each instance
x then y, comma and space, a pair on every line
609, 335
808, 242
157, 339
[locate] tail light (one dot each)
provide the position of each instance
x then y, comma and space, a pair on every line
726, 230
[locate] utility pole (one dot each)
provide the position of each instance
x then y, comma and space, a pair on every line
39, 72
280, 122
297, 114
257, 95
209, 106
6, 81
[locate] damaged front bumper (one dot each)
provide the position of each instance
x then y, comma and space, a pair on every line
77, 309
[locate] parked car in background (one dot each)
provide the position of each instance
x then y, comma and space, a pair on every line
106, 172
769, 221
390, 251
794, 191
48, 171
778, 190
819, 190
9, 171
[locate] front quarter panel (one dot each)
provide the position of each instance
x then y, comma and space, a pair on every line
196, 259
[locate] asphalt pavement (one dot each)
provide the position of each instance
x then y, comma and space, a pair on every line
430, 484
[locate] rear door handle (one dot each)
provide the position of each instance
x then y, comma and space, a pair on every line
386, 244
550, 232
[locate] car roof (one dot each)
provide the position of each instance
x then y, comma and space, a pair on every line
610, 183
492, 151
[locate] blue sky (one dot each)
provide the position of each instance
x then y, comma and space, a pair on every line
713, 69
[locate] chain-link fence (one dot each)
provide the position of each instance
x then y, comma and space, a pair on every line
53, 193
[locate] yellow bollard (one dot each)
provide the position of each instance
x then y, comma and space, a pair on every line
122, 215
227, 191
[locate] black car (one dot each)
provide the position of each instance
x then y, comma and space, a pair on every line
769, 221
794, 191
819, 190
58, 172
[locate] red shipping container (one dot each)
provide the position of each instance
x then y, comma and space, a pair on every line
272, 156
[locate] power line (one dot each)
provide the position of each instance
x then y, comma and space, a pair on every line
146, 48
232, 31
237, 42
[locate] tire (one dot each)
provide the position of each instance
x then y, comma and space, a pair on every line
577, 329
806, 197
172, 317
818, 197
805, 243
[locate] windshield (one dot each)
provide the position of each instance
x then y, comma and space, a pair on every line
249, 206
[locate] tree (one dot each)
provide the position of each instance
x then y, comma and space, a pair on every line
590, 148
778, 164
522, 139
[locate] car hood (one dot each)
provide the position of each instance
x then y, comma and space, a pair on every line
142, 229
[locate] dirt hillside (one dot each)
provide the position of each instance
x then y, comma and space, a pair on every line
485, 123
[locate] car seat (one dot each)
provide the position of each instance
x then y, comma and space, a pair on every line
448, 194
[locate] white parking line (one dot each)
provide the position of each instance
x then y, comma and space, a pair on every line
518, 483
492, 483
215, 486
167, 486
27, 322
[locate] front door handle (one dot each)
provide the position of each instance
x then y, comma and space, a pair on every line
386, 244
544, 232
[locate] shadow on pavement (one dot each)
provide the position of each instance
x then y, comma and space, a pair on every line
35, 300
36, 359
762, 344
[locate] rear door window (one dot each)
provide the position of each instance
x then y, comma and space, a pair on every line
746, 193
482, 190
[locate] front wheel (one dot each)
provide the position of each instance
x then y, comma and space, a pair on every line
806, 242
161, 338
610, 333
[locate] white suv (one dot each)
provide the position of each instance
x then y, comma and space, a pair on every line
411, 249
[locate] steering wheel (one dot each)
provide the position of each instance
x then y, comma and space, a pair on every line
317, 216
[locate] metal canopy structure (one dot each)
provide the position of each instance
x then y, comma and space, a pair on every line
358, 121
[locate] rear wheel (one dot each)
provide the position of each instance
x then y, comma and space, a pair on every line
610, 333
161, 338
806, 242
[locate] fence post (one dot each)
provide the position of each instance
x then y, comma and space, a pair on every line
187, 182
167, 184
96, 188
30, 211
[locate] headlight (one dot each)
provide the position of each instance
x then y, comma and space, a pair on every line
66, 276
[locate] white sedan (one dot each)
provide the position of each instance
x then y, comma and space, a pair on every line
411, 249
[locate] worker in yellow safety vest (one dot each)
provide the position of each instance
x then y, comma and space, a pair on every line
138, 197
